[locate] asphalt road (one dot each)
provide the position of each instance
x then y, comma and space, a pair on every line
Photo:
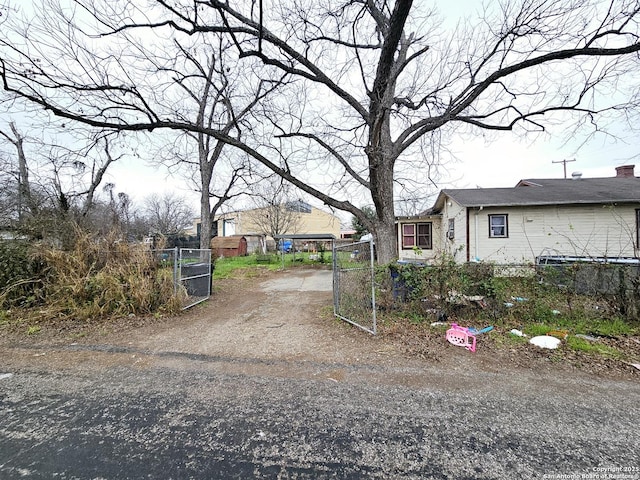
207, 417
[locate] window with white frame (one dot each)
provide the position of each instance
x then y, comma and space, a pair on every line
416, 235
498, 226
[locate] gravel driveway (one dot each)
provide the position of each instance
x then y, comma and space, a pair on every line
262, 382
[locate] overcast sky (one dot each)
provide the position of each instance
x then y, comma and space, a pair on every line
485, 160
490, 160
498, 162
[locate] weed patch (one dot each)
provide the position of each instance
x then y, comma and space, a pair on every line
593, 348
508, 297
97, 278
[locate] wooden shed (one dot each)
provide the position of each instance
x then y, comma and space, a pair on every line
231, 246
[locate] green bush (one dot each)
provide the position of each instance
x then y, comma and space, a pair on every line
19, 274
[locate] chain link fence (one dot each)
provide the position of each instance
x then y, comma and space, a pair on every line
591, 278
191, 271
354, 295
586, 290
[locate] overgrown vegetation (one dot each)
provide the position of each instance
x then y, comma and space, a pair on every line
20, 274
524, 292
593, 300
97, 278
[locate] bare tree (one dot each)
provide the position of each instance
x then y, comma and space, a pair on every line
167, 214
277, 211
215, 97
24, 198
8, 193
77, 173
55, 183
375, 83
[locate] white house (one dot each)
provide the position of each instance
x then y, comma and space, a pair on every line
585, 217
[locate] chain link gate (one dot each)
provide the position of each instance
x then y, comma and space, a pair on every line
354, 296
190, 270
195, 275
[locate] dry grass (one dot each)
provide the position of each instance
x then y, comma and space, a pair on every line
101, 278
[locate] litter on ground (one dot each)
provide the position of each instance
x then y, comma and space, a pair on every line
461, 337
465, 337
545, 341
517, 333
586, 337
473, 331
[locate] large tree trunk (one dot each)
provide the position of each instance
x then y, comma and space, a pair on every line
385, 238
381, 177
205, 210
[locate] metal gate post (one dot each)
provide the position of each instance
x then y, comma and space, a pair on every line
336, 278
176, 277
373, 286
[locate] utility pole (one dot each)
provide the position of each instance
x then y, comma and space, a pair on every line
564, 164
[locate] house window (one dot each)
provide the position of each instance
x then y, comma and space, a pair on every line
416, 235
451, 230
498, 226
228, 228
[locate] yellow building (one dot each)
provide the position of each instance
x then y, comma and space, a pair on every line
256, 224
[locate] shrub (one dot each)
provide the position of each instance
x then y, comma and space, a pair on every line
577, 297
19, 274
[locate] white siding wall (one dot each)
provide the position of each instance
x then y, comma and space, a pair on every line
456, 247
589, 230
426, 255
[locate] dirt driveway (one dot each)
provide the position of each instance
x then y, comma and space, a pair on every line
266, 317
283, 317
263, 382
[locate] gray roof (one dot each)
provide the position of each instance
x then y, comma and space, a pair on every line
548, 192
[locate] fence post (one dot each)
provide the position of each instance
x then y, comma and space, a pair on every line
336, 278
176, 279
373, 285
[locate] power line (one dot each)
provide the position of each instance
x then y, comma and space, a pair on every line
564, 164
